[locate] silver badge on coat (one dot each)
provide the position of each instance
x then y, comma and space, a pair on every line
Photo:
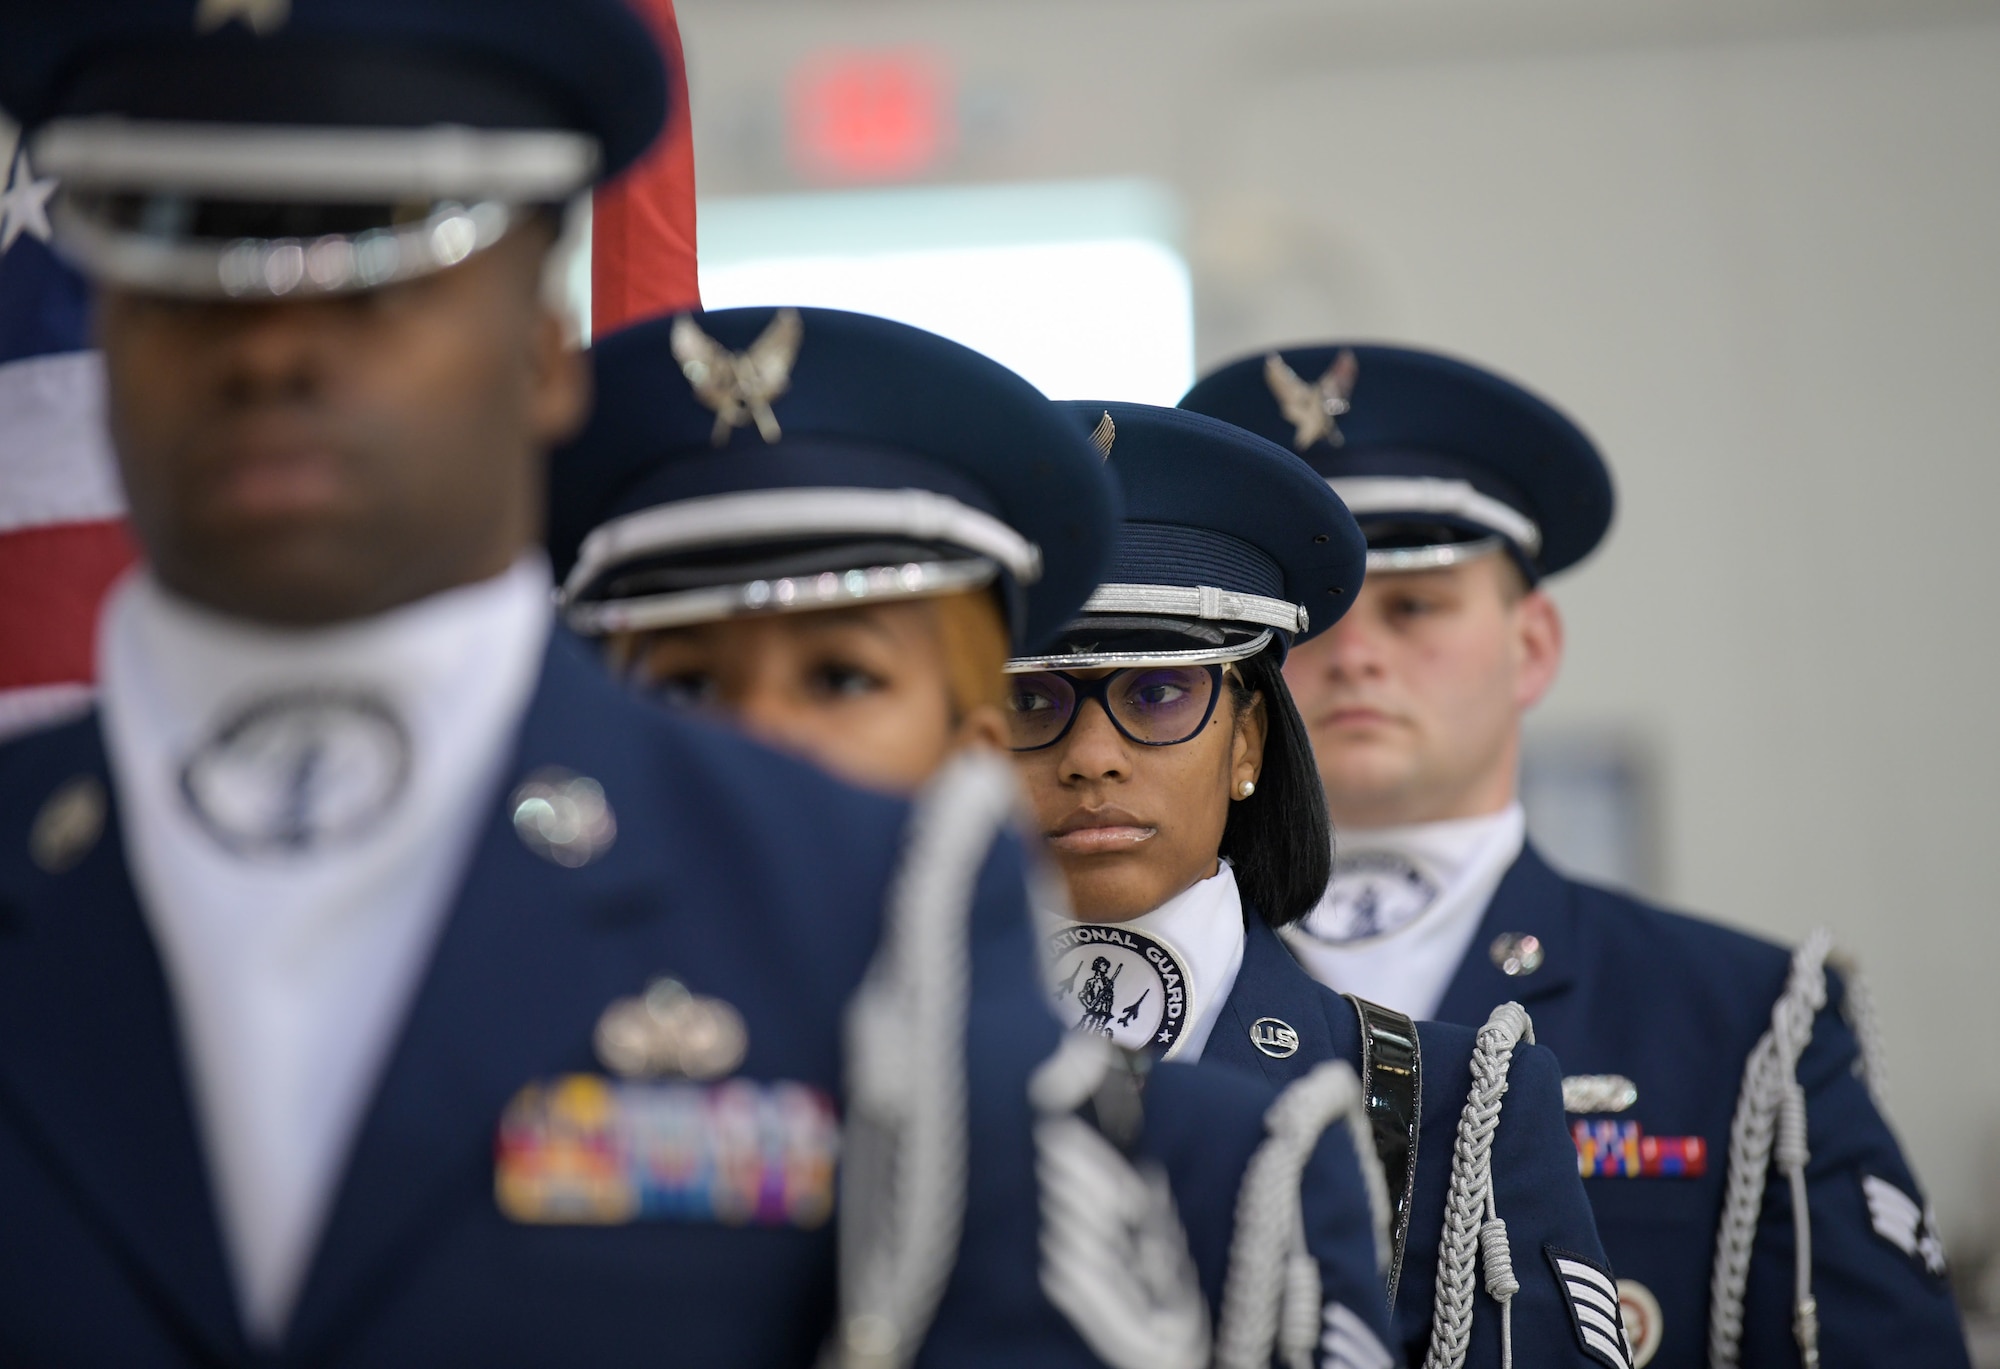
564, 818
68, 825
298, 772
1275, 1038
1121, 984
1373, 893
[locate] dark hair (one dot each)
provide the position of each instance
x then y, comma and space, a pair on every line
1279, 839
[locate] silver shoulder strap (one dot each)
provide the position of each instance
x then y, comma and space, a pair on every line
1770, 1123
903, 1157
1472, 1224
1271, 1295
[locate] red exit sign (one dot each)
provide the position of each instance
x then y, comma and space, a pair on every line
871, 115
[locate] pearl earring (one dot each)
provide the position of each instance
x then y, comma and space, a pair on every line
1246, 789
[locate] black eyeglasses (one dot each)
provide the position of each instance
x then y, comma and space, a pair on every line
1150, 705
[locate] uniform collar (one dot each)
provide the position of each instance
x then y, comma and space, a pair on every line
1532, 900
89, 1047
1272, 985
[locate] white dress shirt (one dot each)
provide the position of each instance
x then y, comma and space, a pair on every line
298, 809
1404, 905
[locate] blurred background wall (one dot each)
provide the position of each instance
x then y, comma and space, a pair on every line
1750, 245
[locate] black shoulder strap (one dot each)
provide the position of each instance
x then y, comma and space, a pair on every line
1392, 1087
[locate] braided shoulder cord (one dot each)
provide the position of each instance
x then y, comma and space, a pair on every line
1271, 1295
1770, 1113
1858, 1007
1470, 1218
903, 1168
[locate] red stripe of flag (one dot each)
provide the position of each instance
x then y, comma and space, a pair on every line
642, 248
55, 577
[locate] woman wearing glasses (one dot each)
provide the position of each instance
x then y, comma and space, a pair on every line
832, 531
1175, 788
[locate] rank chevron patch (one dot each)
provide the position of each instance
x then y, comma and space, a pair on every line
1349, 1343
1593, 1307
1902, 1223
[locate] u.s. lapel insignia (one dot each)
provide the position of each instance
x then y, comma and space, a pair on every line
1313, 408
562, 817
1516, 953
1275, 1038
670, 1031
68, 825
1592, 1299
259, 16
583, 1150
739, 386
1120, 983
1899, 1220
1645, 1326
1622, 1150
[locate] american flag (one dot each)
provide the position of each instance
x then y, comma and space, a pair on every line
63, 539
62, 531
642, 249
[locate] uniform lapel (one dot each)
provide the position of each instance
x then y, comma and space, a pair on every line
1271, 984
528, 959
1532, 900
90, 1059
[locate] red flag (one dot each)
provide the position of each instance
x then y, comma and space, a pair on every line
642, 249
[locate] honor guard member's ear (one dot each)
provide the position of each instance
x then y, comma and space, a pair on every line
277, 149
1440, 461
771, 460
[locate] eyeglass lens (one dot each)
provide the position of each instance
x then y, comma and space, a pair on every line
1152, 705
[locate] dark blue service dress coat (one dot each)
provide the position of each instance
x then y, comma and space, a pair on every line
1675, 1004
747, 876
1535, 1187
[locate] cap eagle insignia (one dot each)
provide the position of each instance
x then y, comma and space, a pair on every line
259, 16
1312, 408
739, 386
1104, 434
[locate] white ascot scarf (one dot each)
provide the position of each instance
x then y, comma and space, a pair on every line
299, 808
1404, 905
1165, 974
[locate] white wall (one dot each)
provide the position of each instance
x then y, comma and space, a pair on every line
1753, 249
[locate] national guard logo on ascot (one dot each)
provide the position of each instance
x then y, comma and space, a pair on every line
298, 772
1121, 984
1373, 893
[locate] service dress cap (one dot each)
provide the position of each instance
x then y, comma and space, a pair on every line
1440, 460
771, 460
1230, 545
269, 149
